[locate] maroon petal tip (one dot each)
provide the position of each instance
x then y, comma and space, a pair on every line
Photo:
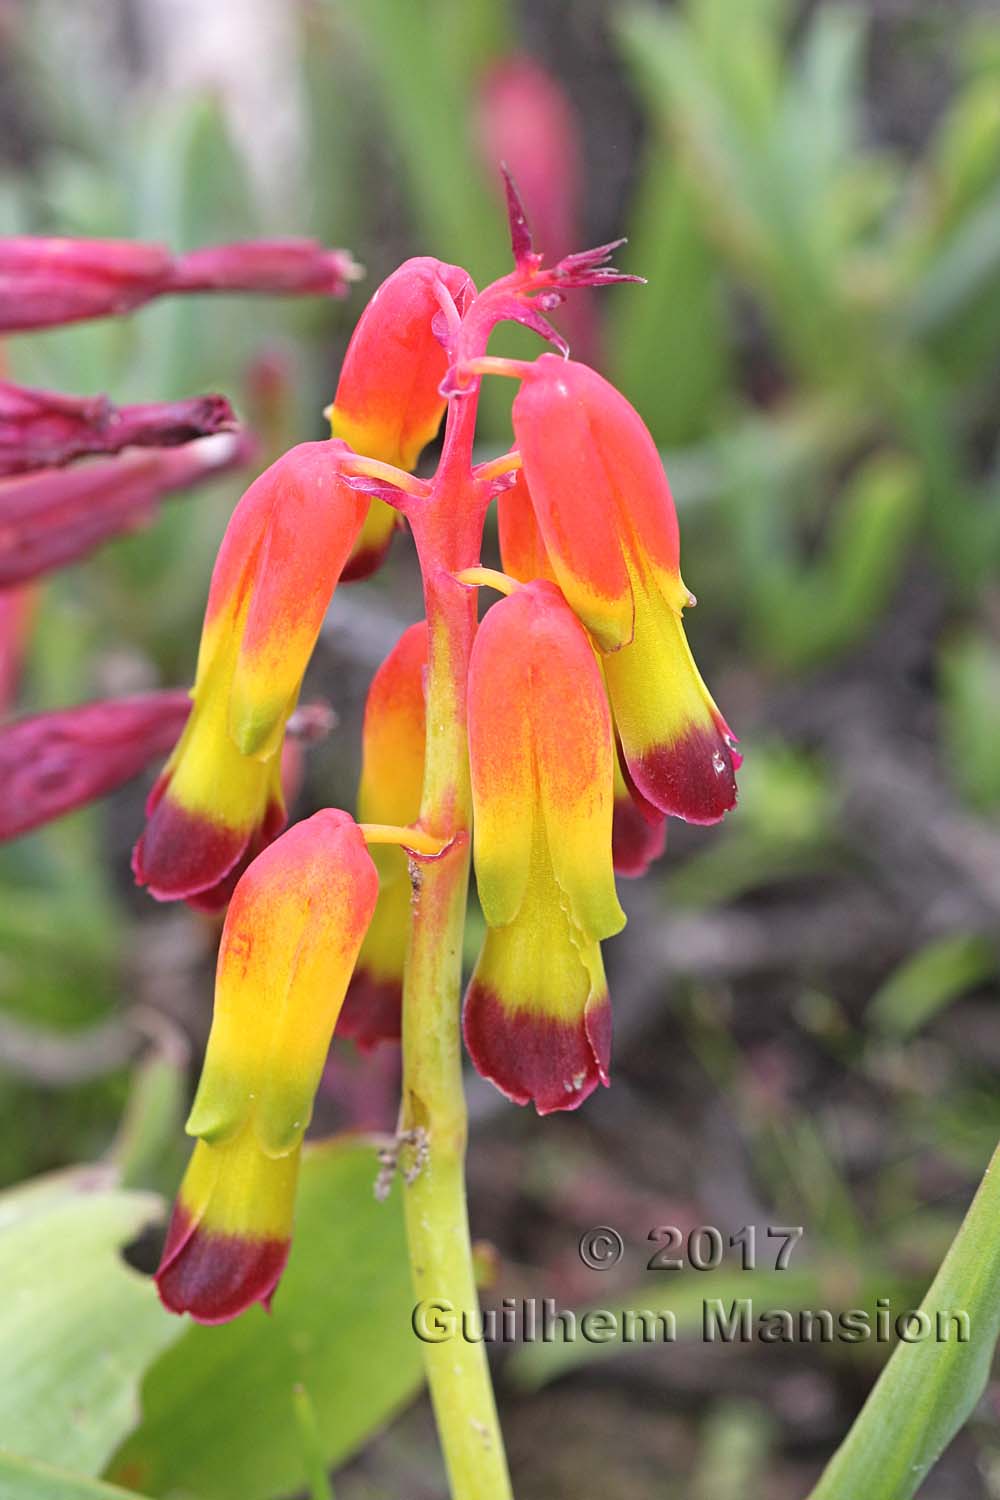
535, 1059
372, 1011
213, 1276
694, 778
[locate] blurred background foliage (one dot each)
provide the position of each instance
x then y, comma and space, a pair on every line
805, 999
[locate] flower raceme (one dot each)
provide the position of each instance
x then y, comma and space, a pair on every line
536, 1018
45, 282
55, 517
219, 799
388, 405
291, 936
392, 774
45, 429
609, 527
51, 763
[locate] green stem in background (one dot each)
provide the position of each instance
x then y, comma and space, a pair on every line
928, 1389
447, 529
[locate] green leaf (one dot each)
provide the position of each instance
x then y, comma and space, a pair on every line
669, 348
970, 710
929, 980
736, 1437
828, 607
26, 1479
928, 1389
77, 1326
219, 1408
425, 89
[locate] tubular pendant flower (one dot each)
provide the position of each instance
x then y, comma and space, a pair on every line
638, 830
607, 518
291, 936
392, 776
219, 799
537, 1018
388, 405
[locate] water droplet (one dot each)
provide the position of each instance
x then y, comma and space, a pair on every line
718, 763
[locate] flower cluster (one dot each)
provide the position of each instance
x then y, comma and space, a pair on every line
585, 719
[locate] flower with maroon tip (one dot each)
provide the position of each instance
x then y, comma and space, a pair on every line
219, 799
58, 516
638, 831
54, 762
388, 405
608, 522
392, 775
537, 1019
46, 282
290, 940
44, 429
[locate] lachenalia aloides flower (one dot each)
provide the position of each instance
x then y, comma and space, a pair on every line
549, 741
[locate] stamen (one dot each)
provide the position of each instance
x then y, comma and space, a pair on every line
494, 468
494, 364
413, 839
373, 468
488, 577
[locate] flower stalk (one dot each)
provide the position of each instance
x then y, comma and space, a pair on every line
447, 532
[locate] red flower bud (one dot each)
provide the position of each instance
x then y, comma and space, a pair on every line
44, 282
44, 429
54, 518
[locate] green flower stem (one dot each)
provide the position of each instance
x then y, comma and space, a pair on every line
447, 528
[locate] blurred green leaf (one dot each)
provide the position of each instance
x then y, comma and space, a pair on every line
425, 88
313, 1447
339, 1330
970, 708
928, 1389
735, 1439
77, 1326
929, 980
152, 1125
819, 610
668, 347
685, 1294
27, 1479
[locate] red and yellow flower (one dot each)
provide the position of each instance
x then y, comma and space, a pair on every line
638, 830
219, 799
388, 405
291, 937
609, 527
537, 1020
392, 774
